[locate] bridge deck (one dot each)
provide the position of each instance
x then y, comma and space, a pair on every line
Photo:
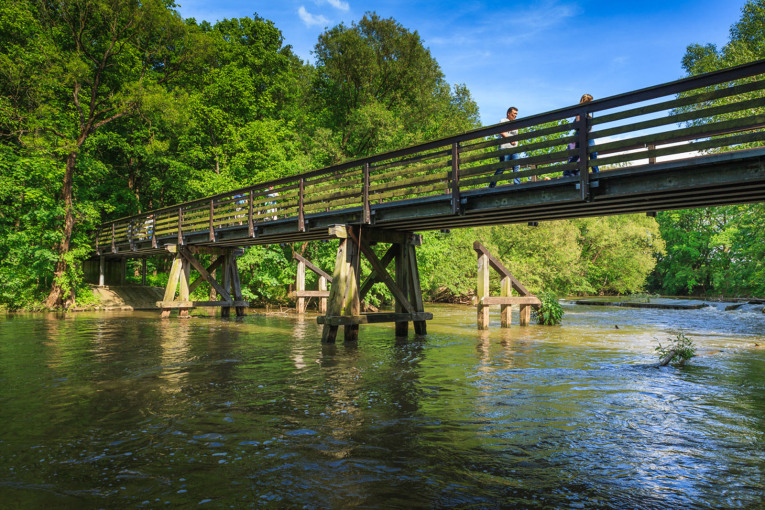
446, 183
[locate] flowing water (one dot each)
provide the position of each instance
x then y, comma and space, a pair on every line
126, 410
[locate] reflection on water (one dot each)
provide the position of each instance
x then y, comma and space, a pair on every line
127, 410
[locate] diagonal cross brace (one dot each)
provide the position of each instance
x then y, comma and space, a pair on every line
184, 252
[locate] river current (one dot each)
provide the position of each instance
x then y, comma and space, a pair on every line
126, 410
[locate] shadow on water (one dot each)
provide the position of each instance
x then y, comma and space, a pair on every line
112, 410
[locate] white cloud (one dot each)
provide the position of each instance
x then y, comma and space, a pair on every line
339, 4
310, 19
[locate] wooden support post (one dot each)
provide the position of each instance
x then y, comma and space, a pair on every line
415, 292
402, 280
482, 291
508, 283
236, 285
351, 331
143, 271
344, 294
172, 284
525, 315
101, 263
322, 300
506, 290
180, 276
183, 284
300, 287
225, 311
344, 306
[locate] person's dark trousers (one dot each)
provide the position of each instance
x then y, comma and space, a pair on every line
516, 168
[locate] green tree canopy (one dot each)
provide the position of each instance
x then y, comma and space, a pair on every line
378, 88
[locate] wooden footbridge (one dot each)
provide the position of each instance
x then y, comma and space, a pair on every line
689, 143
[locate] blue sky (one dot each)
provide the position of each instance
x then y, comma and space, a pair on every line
536, 55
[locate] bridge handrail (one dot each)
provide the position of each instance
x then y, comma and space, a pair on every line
438, 165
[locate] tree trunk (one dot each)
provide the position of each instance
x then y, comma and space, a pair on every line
56, 296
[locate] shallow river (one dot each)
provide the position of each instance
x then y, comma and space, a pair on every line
116, 410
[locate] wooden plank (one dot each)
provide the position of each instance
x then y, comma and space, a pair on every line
679, 149
482, 156
377, 235
680, 117
443, 174
194, 304
310, 293
510, 300
415, 192
374, 318
521, 136
728, 126
408, 171
683, 101
412, 160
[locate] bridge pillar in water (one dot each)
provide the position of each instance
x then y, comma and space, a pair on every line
179, 285
347, 292
486, 262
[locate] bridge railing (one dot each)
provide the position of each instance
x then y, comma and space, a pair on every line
718, 111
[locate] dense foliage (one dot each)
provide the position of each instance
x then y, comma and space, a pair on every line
550, 312
110, 108
718, 251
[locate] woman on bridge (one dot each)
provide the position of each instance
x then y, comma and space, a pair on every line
586, 98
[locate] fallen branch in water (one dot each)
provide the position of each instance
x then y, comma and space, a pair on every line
663, 362
680, 347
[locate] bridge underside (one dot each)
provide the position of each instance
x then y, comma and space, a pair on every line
724, 179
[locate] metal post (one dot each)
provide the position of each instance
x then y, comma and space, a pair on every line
367, 213
584, 155
212, 226
301, 212
455, 178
